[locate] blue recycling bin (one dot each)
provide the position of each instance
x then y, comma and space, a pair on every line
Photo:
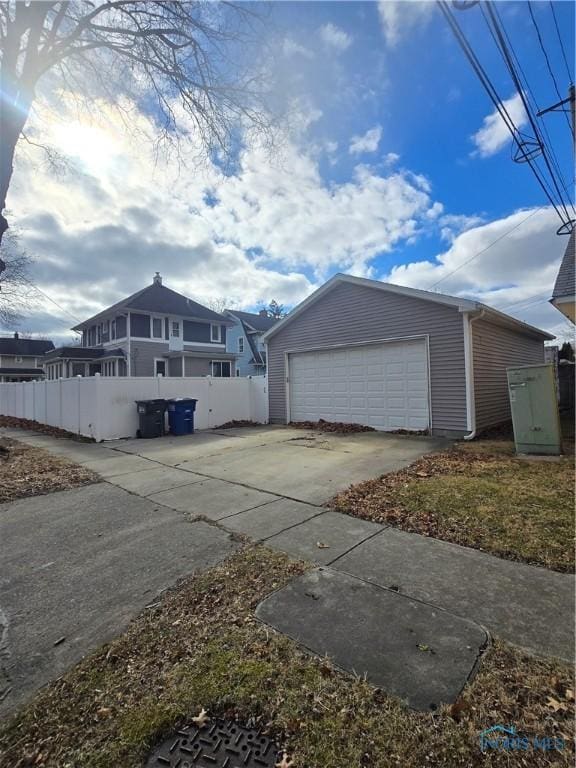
181, 415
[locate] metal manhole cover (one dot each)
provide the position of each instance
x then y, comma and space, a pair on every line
222, 744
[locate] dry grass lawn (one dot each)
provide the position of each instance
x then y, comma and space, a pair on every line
478, 495
27, 471
202, 647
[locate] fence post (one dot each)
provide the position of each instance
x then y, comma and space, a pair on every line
97, 427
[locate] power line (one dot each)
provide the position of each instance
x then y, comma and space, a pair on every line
528, 88
527, 299
531, 118
548, 65
498, 239
497, 101
560, 41
60, 307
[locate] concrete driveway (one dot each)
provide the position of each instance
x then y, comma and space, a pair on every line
76, 566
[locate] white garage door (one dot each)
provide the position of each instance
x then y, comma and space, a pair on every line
381, 385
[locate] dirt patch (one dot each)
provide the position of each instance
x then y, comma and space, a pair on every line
486, 499
201, 647
238, 423
27, 471
331, 426
35, 426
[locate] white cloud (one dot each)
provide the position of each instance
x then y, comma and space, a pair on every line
368, 142
335, 37
291, 48
272, 229
521, 267
494, 135
399, 19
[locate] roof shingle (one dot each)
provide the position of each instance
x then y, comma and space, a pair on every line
566, 279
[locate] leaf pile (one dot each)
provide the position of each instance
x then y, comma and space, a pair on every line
331, 426
238, 423
200, 647
46, 429
27, 471
519, 510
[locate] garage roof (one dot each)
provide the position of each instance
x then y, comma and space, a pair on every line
463, 305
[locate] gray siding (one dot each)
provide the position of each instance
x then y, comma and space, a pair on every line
350, 313
9, 361
142, 356
196, 366
174, 366
495, 348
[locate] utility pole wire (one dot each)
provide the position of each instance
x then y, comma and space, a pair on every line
531, 118
498, 239
542, 47
497, 101
570, 80
528, 89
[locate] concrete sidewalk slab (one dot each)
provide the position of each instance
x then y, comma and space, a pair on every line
80, 565
213, 499
313, 469
270, 519
119, 465
528, 606
154, 480
324, 538
411, 650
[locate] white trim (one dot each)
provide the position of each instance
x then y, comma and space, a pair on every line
162, 329
392, 340
469, 374
210, 345
365, 283
221, 361
160, 360
463, 305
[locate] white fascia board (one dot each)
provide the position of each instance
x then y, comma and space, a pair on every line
415, 293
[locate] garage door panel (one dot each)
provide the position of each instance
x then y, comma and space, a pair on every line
382, 385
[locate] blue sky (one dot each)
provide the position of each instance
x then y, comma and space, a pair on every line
391, 168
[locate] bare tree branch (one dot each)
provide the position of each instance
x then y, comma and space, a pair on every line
181, 53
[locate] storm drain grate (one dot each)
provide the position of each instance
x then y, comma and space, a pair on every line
222, 744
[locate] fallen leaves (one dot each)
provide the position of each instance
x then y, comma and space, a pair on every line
29, 471
285, 762
201, 718
331, 426
322, 545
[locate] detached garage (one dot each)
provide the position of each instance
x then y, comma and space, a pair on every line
395, 358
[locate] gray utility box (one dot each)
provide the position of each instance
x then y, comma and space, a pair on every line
534, 409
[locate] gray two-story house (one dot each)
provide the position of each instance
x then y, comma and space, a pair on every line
22, 359
153, 332
244, 339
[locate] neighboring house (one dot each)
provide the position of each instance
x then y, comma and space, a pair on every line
22, 359
564, 293
245, 339
156, 331
363, 351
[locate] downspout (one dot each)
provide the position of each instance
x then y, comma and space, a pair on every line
469, 367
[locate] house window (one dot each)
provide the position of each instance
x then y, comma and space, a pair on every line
241, 344
215, 334
113, 329
175, 328
157, 328
237, 371
221, 369
159, 367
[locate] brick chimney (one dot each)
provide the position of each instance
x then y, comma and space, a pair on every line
263, 313
157, 279
16, 336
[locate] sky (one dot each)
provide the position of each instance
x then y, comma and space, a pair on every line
393, 166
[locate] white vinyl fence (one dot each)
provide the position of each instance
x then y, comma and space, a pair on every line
104, 407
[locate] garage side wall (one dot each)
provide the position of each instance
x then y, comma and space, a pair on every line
349, 314
495, 348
